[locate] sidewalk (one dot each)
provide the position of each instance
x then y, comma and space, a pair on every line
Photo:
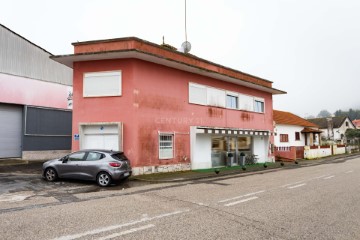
22, 166
236, 170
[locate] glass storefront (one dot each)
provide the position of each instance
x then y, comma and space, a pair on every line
226, 150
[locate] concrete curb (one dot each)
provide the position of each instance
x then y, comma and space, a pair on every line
288, 165
18, 167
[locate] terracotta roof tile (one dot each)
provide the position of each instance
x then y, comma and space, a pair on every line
288, 118
356, 122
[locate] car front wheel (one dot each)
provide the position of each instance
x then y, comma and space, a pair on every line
50, 174
103, 179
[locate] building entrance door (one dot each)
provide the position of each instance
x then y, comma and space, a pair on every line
218, 151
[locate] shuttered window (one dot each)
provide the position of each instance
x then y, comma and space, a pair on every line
102, 84
215, 97
197, 94
246, 102
210, 96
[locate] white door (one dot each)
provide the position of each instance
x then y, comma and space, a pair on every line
101, 137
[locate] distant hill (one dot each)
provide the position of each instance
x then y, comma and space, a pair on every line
351, 113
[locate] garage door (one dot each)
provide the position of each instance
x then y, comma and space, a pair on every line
101, 137
10, 131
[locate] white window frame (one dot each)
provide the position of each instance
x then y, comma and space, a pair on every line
90, 78
255, 105
235, 95
163, 154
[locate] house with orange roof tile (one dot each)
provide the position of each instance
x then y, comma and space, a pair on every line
292, 134
356, 123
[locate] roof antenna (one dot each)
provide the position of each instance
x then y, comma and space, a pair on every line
186, 46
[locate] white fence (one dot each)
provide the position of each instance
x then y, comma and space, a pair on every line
323, 151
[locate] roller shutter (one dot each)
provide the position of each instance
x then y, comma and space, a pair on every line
10, 131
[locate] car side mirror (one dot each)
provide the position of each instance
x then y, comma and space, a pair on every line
65, 159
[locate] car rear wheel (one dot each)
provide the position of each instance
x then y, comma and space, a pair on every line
50, 174
103, 179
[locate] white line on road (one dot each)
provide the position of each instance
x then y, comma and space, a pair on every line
289, 184
349, 171
127, 232
296, 186
321, 176
105, 229
246, 195
329, 177
241, 201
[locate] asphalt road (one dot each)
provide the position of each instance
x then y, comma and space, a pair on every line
314, 202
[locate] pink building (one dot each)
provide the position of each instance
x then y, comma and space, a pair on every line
166, 110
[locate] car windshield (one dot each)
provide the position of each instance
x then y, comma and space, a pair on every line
119, 156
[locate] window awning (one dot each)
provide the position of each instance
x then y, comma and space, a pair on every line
231, 131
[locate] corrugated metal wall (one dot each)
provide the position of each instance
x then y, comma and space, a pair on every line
22, 58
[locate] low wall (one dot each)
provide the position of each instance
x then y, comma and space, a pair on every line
339, 149
161, 169
285, 153
353, 148
317, 152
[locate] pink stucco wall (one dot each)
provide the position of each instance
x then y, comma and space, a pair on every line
26, 91
155, 98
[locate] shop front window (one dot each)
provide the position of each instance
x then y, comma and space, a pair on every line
226, 150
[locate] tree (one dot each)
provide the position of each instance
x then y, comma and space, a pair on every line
324, 113
340, 113
352, 133
352, 114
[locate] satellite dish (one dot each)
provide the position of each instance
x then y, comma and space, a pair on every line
186, 46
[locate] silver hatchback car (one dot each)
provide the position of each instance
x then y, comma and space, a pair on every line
102, 166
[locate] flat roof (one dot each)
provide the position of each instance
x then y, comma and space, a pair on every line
132, 47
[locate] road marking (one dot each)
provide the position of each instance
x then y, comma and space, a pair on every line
296, 186
105, 229
289, 184
321, 176
349, 171
329, 177
246, 195
127, 232
241, 201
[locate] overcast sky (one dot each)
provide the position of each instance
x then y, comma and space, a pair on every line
308, 48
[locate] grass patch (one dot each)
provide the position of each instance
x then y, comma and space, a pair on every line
250, 166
